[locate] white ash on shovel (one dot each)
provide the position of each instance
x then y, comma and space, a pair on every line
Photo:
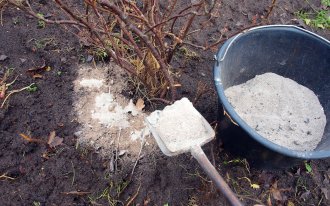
280, 110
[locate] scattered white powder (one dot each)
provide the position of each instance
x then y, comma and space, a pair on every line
140, 134
110, 113
97, 83
280, 110
180, 126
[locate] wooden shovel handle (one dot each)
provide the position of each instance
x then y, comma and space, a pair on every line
213, 174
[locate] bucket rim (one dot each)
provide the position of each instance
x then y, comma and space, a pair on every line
220, 57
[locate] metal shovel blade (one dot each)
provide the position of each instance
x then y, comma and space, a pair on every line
179, 127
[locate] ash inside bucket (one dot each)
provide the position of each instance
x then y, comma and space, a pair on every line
280, 110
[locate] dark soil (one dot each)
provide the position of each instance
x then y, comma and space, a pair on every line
45, 176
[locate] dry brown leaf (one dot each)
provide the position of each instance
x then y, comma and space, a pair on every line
36, 71
54, 140
290, 203
152, 61
37, 76
38, 68
276, 193
139, 104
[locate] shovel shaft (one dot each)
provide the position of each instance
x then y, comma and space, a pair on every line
213, 174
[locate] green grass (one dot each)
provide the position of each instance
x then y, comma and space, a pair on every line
41, 24
32, 88
325, 2
318, 18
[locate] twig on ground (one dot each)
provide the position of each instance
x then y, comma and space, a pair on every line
250, 198
130, 201
3, 4
75, 193
201, 90
270, 9
13, 92
226, 114
74, 174
138, 157
30, 139
161, 100
117, 150
4, 176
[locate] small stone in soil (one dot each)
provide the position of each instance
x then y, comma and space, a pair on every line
3, 57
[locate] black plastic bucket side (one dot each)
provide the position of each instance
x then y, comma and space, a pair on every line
243, 139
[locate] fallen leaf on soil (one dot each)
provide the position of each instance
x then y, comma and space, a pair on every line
214, 49
3, 57
48, 68
36, 76
35, 71
139, 104
42, 67
146, 201
54, 140
290, 203
30, 139
326, 192
255, 186
252, 185
151, 61
276, 193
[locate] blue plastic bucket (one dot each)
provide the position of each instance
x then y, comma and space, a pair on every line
286, 50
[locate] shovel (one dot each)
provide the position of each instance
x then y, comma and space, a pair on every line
180, 128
